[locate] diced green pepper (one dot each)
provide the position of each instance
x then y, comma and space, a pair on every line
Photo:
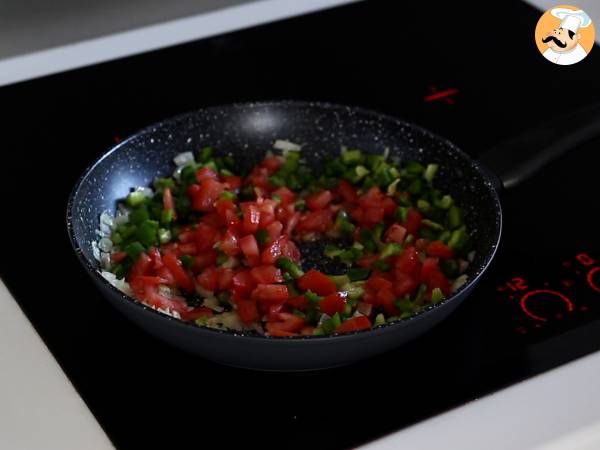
336, 320
139, 215
379, 320
430, 172
436, 295
458, 239
205, 154
358, 273
289, 266
164, 235
134, 250
414, 168
147, 232
433, 225
312, 297
339, 280
455, 217
262, 236
136, 198
416, 186
331, 251
351, 157
390, 249
401, 214
167, 216
187, 261
228, 195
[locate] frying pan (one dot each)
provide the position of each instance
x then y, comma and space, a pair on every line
246, 131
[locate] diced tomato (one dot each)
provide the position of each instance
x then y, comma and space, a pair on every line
377, 282
117, 257
189, 248
249, 248
142, 266
233, 182
208, 279
413, 221
367, 260
439, 249
386, 298
196, 313
156, 257
299, 302
227, 210
291, 222
289, 250
270, 293
168, 202
243, 283
319, 221
287, 322
272, 164
318, 200
372, 198
186, 235
274, 230
353, 324
273, 251
247, 311
204, 259
285, 195
266, 274
307, 331
209, 193
165, 274
181, 276
193, 189
259, 177
225, 278
408, 262
212, 219
229, 244
389, 206
438, 280
372, 215
347, 191
316, 282
138, 283
404, 284
430, 265
395, 233
206, 236
333, 303
251, 217
154, 298
205, 173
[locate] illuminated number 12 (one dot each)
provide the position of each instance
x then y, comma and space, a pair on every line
517, 284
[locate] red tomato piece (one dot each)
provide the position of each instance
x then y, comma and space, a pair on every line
247, 311
196, 313
117, 257
270, 293
318, 200
272, 164
251, 217
168, 202
386, 298
307, 331
143, 266
181, 277
316, 282
408, 262
377, 282
203, 260
209, 193
154, 298
413, 221
299, 302
208, 279
274, 230
404, 284
273, 251
157, 261
285, 195
430, 265
277, 332
233, 182
249, 248
372, 215
439, 249
319, 221
189, 248
230, 243
389, 206
395, 233
206, 237
227, 211
266, 274
225, 278
289, 250
287, 322
367, 260
243, 283
353, 324
165, 274
205, 173
347, 191
333, 303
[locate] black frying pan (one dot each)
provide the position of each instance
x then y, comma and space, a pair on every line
247, 131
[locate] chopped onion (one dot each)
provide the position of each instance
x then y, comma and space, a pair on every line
107, 219
122, 217
105, 244
148, 192
386, 152
364, 308
281, 144
462, 265
177, 173
95, 251
121, 285
323, 318
105, 260
213, 303
459, 282
184, 159
471, 255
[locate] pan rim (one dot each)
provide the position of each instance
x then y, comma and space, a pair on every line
358, 110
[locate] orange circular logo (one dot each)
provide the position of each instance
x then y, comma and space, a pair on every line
564, 35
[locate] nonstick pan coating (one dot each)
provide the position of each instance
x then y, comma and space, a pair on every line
247, 131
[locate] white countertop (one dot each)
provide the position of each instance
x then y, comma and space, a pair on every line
39, 408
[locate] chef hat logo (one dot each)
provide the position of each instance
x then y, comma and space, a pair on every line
564, 35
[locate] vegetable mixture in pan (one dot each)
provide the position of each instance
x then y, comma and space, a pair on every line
222, 249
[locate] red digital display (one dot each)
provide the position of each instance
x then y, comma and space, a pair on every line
444, 95
556, 298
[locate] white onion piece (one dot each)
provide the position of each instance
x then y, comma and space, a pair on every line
213, 303
364, 308
121, 285
95, 251
282, 144
386, 152
462, 265
105, 260
105, 244
323, 318
471, 255
177, 173
122, 218
184, 159
459, 282
107, 219
148, 192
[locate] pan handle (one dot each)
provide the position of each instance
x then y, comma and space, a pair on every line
516, 160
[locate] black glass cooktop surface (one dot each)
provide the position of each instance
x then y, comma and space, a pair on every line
536, 308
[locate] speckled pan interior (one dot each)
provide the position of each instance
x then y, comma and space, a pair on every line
247, 131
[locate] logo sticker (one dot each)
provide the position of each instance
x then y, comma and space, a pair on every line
564, 35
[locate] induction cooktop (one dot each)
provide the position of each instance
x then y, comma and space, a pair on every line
536, 308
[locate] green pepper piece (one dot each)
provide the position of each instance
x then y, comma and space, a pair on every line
379, 320
458, 239
147, 232
136, 198
262, 236
401, 214
331, 251
134, 250
187, 261
336, 320
414, 168
289, 266
351, 157
430, 172
390, 249
455, 217
164, 235
358, 273
436, 295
